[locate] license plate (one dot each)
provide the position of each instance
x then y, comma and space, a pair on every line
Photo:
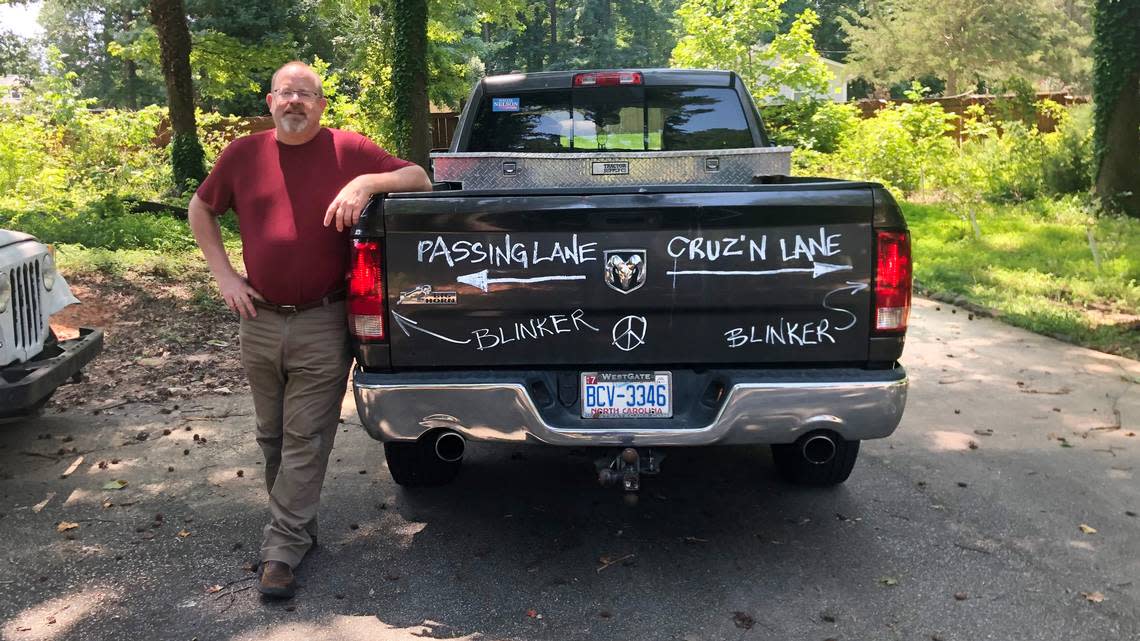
627, 395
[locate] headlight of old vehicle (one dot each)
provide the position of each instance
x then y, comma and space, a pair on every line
49, 272
5, 291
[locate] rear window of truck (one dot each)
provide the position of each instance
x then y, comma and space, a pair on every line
611, 119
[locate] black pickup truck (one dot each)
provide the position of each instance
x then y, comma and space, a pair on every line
619, 260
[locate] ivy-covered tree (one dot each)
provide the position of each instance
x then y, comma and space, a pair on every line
187, 158
1116, 92
409, 79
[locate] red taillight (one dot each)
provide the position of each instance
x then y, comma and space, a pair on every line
366, 292
607, 79
892, 280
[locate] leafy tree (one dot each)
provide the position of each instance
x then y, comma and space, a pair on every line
729, 35
17, 56
830, 40
963, 41
598, 34
187, 158
84, 31
1116, 83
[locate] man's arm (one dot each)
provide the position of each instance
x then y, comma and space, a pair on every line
236, 291
346, 207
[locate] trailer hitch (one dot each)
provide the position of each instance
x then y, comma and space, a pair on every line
627, 467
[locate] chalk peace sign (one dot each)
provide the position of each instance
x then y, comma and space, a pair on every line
629, 333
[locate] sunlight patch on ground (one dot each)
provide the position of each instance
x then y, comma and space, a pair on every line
53, 619
944, 441
353, 628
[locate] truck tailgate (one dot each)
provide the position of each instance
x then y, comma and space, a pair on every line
751, 274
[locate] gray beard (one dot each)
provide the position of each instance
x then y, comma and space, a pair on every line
293, 124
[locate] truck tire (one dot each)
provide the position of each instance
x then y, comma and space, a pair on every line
416, 465
793, 467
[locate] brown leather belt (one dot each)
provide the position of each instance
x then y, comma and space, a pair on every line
334, 297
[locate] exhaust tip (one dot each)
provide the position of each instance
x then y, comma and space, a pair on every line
449, 446
818, 449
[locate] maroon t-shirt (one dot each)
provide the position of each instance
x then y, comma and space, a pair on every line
280, 194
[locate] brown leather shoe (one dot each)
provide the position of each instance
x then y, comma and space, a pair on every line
276, 580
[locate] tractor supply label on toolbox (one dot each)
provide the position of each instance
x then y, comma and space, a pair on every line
504, 104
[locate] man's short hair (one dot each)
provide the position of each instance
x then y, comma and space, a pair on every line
295, 63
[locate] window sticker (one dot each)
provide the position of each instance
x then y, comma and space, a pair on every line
504, 104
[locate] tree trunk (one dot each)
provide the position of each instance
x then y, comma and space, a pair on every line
130, 84
130, 70
552, 9
169, 20
409, 80
106, 83
951, 83
1118, 176
1116, 94
535, 54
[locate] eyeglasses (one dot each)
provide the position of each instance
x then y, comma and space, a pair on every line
304, 96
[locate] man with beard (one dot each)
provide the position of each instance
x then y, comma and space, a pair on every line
297, 190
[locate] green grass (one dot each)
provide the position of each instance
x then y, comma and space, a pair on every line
1033, 265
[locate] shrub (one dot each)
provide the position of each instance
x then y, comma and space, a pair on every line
1068, 162
104, 223
820, 125
902, 145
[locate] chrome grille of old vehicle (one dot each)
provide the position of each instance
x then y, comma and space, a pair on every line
26, 304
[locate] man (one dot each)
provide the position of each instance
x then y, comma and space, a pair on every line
297, 191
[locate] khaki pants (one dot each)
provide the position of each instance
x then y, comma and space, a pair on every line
297, 366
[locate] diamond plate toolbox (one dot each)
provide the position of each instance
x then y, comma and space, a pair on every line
500, 170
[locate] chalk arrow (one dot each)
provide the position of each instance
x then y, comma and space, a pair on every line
480, 279
816, 270
819, 269
854, 288
406, 323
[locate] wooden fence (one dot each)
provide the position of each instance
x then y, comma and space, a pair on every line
958, 104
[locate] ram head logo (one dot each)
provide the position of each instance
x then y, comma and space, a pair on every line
625, 269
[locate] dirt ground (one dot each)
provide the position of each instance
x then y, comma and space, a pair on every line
161, 345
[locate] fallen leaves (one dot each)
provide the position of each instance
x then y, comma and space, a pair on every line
888, 581
64, 526
1086, 529
743, 620
607, 561
1093, 597
183, 533
117, 484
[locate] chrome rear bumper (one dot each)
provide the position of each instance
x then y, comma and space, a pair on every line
777, 407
